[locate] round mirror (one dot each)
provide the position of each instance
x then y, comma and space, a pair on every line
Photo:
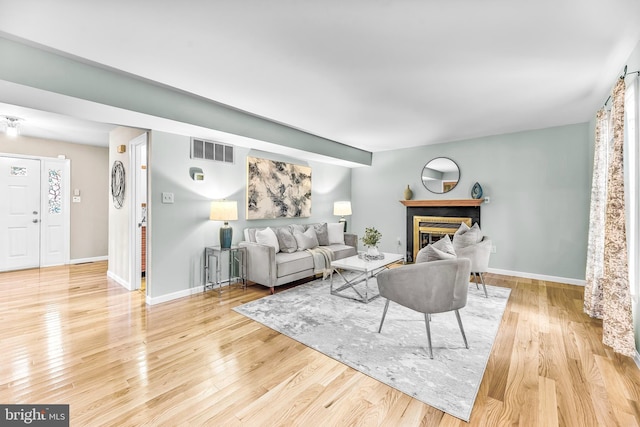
440, 175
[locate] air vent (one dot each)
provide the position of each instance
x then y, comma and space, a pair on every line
210, 150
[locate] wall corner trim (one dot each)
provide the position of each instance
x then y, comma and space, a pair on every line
565, 280
174, 295
125, 284
86, 260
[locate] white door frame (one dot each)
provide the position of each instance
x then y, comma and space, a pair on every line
135, 240
65, 245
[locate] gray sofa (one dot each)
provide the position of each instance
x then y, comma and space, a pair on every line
270, 267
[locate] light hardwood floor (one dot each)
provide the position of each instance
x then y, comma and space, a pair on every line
70, 335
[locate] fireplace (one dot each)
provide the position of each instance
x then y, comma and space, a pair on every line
429, 220
430, 229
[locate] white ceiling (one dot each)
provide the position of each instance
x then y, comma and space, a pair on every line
372, 74
41, 124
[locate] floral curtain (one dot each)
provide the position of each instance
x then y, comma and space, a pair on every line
608, 296
595, 248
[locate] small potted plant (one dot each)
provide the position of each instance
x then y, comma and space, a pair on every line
371, 239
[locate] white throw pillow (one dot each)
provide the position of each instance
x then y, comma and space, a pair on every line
336, 233
306, 240
267, 237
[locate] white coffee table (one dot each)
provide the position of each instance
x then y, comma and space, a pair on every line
367, 270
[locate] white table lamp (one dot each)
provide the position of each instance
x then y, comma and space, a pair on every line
224, 210
342, 208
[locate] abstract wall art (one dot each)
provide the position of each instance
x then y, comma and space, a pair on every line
277, 189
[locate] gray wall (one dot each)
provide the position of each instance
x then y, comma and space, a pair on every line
179, 232
538, 182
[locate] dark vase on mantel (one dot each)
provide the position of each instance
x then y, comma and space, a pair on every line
408, 194
476, 191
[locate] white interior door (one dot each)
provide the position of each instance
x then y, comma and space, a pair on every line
19, 213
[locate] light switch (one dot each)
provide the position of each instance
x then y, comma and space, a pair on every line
167, 197
76, 192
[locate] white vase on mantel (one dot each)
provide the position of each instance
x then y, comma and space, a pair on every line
373, 251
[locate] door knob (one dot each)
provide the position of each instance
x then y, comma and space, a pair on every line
35, 220
35, 212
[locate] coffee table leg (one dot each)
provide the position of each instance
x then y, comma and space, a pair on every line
366, 287
348, 284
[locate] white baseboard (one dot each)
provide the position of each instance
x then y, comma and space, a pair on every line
174, 295
84, 260
124, 283
568, 281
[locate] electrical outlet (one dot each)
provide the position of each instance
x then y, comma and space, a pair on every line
399, 242
167, 197
493, 249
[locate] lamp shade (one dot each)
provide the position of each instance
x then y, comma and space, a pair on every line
224, 210
342, 208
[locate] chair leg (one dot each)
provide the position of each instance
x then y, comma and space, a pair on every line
464, 337
426, 321
475, 279
483, 285
384, 313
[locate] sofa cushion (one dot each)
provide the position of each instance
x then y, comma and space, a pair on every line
342, 251
286, 241
306, 240
336, 233
291, 263
322, 234
267, 237
466, 236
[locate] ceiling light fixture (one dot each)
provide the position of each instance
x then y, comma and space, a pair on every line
12, 126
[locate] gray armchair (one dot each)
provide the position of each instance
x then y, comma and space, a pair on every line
479, 255
428, 287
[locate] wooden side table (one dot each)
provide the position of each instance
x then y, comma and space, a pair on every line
237, 256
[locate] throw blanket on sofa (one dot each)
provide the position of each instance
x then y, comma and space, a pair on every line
322, 258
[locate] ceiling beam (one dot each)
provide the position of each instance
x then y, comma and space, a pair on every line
38, 67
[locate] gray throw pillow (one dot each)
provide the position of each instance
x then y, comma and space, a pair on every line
442, 249
422, 255
306, 240
286, 240
322, 233
297, 227
466, 236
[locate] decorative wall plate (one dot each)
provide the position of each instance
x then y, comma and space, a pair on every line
117, 184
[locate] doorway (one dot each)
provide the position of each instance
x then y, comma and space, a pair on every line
34, 215
139, 214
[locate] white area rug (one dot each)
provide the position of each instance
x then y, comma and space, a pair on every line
346, 330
